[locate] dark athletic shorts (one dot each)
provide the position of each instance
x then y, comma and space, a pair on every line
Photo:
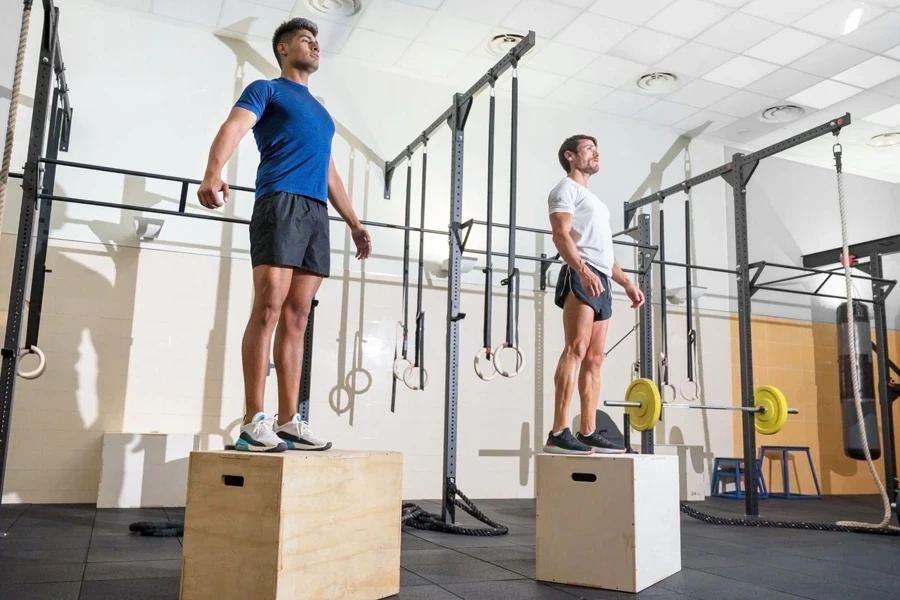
570, 281
289, 230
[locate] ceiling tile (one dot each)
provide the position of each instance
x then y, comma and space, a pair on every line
745, 130
395, 18
490, 13
429, 4
786, 46
304, 9
201, 12
874, 71
251, 19
781, 11
893, 52
877, 36
783, 83
472, 69
825, 94
708, 120
646, 46
701, 93
611, 71
279, 4
665, 113
333, 35
839, 17
139, 5
741, 104
861, 105
740, 71
579, 93
594, 32
582, 4
636, 13
731, 3
561, 59
889, 88
831, 59
536, 84
486, 47
374, 47
540, 15
695, 59
772, 138
452, 32
623, 103
431, 60
738, 32
687, 18
889, 117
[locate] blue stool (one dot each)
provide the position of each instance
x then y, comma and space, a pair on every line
734, 468
786, 482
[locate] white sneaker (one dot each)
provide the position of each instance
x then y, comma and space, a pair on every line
257, 436
298, 436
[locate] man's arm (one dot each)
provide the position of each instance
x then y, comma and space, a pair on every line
619, 276
338, 197
561, 225
230, 134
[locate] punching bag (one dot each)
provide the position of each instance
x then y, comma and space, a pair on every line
853, 446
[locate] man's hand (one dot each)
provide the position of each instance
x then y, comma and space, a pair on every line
590, 281
208, 194
363, 242
634, 294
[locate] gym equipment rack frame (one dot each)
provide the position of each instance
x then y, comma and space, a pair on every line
737, 174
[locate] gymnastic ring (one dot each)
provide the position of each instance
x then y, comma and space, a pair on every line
669, 393
411, 368
520, 362
483, 352
39, 370
690, 397
368, 381
400, 366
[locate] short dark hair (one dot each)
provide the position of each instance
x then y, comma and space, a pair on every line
288, 29
570, 144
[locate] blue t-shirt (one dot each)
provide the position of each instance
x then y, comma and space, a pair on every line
293, 133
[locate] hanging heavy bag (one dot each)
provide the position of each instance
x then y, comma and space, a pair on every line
853, 446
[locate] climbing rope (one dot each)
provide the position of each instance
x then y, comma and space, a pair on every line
854, 363
416, 517
14, 108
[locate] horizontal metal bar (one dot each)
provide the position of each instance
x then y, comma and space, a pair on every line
89, 167
883, 246
763, 264
669, 263
796, 277
515, 54
684, 186
212, 217
751, 409
548, 232
805, 293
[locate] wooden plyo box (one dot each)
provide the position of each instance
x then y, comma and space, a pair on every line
292, 526
607, 521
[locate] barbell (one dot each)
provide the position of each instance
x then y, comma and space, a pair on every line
644, 406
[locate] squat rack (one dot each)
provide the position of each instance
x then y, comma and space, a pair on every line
737, 174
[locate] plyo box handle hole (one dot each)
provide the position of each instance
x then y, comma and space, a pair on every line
584, 477
233, 480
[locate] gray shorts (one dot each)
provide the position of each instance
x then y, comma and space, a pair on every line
289, 230
570, 281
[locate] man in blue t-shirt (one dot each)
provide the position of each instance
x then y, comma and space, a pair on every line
289, 246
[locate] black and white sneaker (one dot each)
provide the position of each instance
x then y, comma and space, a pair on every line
599, 443
565, 443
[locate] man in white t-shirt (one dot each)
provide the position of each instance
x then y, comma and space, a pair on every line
583, 237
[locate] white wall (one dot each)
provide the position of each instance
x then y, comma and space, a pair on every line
119, 361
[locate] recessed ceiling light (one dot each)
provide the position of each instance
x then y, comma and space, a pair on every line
503, 43
334, 8
783, 113
657, 83
885, 139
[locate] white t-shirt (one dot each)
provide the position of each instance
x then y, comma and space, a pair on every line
591, 230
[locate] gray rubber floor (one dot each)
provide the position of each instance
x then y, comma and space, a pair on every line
81, 553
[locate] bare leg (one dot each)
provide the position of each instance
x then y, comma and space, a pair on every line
270, 288
589, 377
577, 319
289, 341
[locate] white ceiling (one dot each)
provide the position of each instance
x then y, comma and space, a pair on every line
733, 58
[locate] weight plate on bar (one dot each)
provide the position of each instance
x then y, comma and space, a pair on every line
646, 416
775, 416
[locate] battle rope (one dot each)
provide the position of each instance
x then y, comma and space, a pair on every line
13, 109
854, 366
416, 517
845, 526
